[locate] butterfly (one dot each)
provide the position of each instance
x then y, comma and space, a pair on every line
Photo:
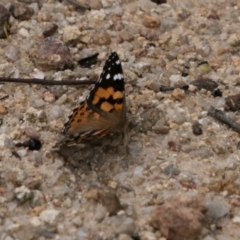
103, 112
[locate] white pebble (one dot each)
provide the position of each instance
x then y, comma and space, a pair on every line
23, 32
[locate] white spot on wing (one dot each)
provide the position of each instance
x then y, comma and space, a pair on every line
117, 62
108, 76
118, 77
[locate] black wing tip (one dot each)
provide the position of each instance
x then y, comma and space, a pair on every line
113, 55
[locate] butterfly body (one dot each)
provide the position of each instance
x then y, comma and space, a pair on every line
103, 112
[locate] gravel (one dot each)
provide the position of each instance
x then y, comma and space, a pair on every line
182, 165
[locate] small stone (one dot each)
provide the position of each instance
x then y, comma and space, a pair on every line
31, 133
172, 218
150, 118
92, 195
52, 54
22, 152
22, 194
208, 238
124, 237
71, 34
24, 32
12, 52
48, 97
94, 4
83, 234
35, 221
160, 127
37, 210
178, 94
50, 216
3, 110
138, 171
55, 113
37, 199
233, 102
171, 55
38, 74
205, 83
111, 202
151, 22
236, 219
102, 39
197, 128
77, 221
171, 170
49, 30
21, 11
149, 236
216, 209
122, 224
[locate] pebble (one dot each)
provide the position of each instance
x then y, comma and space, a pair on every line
49, 30
216, 209
171, 170
21, 11
197, 128
111, 202
24, 32
23, 194
103, 39
150, 22
55, 113
178, 94
12, 52
208, 238
35, 222
172, 217
236, 219
37, 199
149, 236
48, 97
22, 152
122, 224
3, 110
71, 34
31, 133
51, 54
233, 102
205, 83
50, 216
124, 237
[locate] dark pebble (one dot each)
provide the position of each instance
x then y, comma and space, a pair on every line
197, 128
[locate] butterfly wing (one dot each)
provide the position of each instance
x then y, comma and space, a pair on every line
104, 109
107, 96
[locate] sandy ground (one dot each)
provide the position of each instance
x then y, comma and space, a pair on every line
180, 179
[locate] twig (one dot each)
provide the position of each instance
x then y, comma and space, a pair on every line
46, 82
80, 4
223, 118
165, 88
4, 97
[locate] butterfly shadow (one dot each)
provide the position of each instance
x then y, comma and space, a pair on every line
102, 157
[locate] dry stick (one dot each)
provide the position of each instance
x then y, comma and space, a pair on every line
223, 118
46, 82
